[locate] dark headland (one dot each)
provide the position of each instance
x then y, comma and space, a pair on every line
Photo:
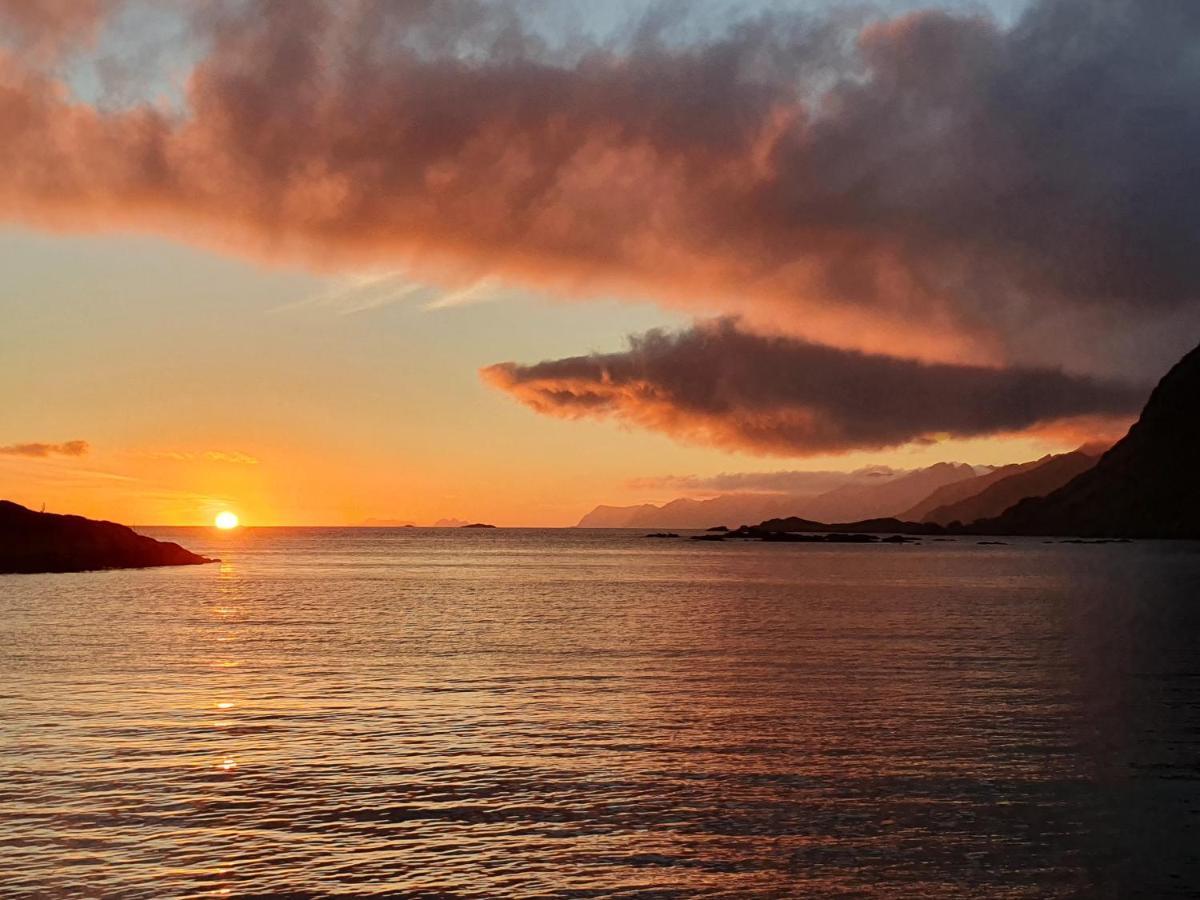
1146, 486
45, 542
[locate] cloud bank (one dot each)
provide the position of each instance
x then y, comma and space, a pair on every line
70, 448
932, 185
791, 482
717, 385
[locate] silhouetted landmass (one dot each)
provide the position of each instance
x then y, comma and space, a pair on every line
793, 537
960, 490
794, 525
1031, 480
1146, 486
718, 528
45, 542
477, 525
886, 498
605, 516
881, 493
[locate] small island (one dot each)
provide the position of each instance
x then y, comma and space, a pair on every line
477, 525
33, 542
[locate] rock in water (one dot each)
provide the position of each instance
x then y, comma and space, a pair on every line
44, 542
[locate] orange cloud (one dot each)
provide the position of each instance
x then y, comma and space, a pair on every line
910, 187
70, 448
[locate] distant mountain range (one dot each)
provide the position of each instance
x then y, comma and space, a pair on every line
964, 489
1145, 486
884, 493
687, 513
987, 496
941, 494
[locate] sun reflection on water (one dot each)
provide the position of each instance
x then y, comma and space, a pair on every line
227, 610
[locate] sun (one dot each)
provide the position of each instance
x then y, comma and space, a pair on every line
226, 520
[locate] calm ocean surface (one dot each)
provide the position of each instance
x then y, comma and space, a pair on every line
559, 713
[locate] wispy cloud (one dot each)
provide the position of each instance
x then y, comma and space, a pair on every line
69, 448
485, 290
233, 457
351, 294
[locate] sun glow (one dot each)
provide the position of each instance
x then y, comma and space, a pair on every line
226, 520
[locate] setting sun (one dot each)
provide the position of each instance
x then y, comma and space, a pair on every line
226, 520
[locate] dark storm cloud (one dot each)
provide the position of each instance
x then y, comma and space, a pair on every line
717, 385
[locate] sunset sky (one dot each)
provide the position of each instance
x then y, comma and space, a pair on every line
319, 264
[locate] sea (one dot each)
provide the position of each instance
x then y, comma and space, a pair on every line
477, 713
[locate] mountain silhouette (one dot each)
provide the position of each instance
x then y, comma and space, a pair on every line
995, 495
886, 499
1146, 486
881, 495
964, 489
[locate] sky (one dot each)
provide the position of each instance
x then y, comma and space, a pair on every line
324, 263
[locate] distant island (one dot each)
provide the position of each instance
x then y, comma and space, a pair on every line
32, 542
408, 523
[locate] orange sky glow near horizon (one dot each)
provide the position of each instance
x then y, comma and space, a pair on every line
194, 400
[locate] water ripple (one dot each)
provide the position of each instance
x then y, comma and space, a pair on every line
364, 713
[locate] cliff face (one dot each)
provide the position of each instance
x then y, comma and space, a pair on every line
44, 542
1147, 485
